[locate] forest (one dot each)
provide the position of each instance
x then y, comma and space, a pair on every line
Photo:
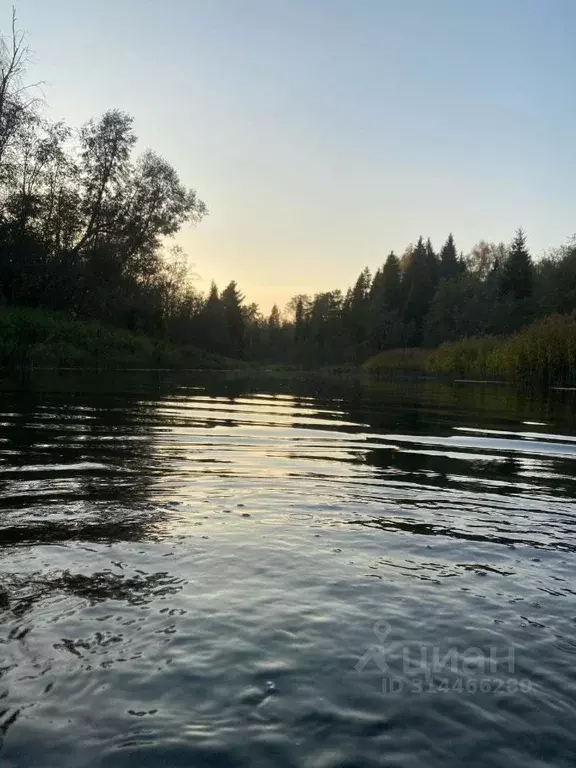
86, 226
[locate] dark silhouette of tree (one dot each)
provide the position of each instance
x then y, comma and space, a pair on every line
386, 299
391, 295
433, 266
105, 149
449, 265
325, 333
417, 287
516, 276
277, 340
234, 319
17, 105
83, 226
356, 320
213, 326
555, 281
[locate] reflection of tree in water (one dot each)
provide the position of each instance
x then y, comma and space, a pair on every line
136, 525
80, 452
85, 458
439, 468
434, 409
395, 524
20, 594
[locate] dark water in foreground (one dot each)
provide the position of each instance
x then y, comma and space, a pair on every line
200, 572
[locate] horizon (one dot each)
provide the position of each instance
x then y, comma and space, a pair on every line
323, 136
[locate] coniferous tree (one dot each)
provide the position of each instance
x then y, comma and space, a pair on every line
385, 300
448, 266
555, 281
325, 328
417, 290
432, 262
299, 319
376, 286
391, 282
516, 276
214, 331
357, 315
234, 319
361, 289
276, 340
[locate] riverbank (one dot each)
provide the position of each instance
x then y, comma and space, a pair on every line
31, 338
541, 354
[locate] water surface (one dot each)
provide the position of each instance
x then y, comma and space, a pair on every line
201, 571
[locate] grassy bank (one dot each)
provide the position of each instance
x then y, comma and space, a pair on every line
37, 338
408, 361
543, 353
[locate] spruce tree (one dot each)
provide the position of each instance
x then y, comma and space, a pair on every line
432, 261
386, 299
516, 274
232, 304
449, 266
376, 287
418, 291
299, 320
276, 346
357, 312
361, 290
391, 282
214, 331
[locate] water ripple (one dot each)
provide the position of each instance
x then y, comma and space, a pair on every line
233, 571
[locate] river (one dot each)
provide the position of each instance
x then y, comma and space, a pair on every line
224, 571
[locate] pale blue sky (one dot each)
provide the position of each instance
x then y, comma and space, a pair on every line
323, 133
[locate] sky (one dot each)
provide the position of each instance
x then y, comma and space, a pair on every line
324, 133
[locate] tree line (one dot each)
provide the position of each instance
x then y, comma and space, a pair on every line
84, 223
423, 298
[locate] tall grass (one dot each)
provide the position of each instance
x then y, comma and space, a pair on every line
38, 338
407, 360
542, 353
